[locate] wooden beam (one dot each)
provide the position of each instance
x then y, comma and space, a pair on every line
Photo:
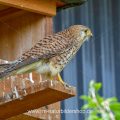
45, 7
10, 12
3, 7
23, 117
46, 115
36, 96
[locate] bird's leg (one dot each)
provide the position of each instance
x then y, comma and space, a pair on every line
60, 79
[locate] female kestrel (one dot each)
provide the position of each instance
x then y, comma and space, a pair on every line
50, 55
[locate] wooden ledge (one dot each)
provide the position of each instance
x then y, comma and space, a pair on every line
44, 7
36, 96
23, 117
10, 12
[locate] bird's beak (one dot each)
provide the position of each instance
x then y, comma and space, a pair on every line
89, 33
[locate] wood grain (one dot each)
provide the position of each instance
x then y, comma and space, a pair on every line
23, 117
45, 7
10, 12
3, 7
37, 96
18, 34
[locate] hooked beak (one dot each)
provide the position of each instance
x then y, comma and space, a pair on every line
89, 33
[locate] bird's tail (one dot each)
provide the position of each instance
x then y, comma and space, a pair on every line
5, 70
3, 67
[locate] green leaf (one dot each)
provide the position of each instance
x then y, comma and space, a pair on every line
84, 107
97, 86
113, 99
90, 105
94, 103
117, 116
115, 107
99, 98
86, 98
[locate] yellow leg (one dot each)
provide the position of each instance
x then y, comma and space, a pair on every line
60, 79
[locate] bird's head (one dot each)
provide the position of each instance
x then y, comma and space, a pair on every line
80, 32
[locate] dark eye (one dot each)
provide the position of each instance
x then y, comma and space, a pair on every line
86, 31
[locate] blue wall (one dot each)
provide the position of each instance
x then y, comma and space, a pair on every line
99, 58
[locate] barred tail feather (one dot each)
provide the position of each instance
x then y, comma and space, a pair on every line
6, 70
18, 67
5, 74
3, 67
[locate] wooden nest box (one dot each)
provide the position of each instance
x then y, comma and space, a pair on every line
22, 24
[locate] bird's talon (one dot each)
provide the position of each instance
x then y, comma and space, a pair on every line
67, 86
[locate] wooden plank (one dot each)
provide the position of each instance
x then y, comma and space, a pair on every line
10, 12
3, 7
20, 33
45, 7
45, 114
38, 95
23, 117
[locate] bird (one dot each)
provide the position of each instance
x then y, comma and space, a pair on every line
49, 55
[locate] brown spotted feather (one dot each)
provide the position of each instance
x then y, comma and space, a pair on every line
57, 49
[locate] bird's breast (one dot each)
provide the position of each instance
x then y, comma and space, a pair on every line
63, 59
42, 67
53, 65
48, 68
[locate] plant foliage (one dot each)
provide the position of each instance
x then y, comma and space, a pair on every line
100, 108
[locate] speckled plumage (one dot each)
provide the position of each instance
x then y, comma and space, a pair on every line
51, 54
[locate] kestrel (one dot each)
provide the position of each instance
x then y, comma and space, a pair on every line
50, 55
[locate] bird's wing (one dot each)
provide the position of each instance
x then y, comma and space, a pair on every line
46, 48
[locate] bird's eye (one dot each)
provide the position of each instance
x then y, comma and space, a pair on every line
86, 31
